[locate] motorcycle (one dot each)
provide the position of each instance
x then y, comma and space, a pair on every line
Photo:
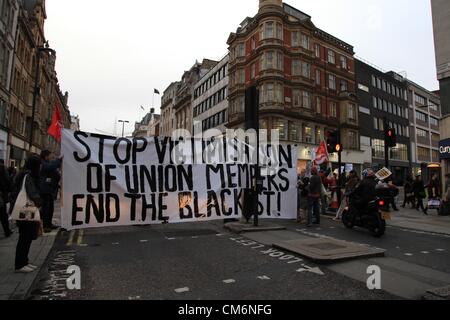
372, 217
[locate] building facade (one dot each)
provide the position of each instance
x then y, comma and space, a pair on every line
30, 39
211, 99
9, 12
305, 78
75, 123
383, 102
148, 127
168, 123
441, 26
425, 115
182, 107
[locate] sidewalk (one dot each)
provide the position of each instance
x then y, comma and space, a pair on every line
15, 286
412, 219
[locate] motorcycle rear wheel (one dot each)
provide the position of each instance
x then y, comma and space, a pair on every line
379, 227
347, 220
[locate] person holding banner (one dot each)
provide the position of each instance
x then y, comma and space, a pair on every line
28, 230
303, 185
49, 180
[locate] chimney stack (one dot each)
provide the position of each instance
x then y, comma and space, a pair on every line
266, 4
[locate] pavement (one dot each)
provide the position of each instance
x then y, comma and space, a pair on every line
15, 286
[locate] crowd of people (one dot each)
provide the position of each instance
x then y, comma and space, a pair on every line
314, 193
40, 177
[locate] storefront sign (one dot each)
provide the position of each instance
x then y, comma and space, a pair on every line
444, 149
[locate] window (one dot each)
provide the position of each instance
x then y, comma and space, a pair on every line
295, 38
333, 109
400, 152
318, 137
422, 133
423, 153
331, 57
434, 122
306, 70
319, 105
364, 110
269, 60
296, 67
252, 71
352, 111
374, 81
420, 101
279, 31
269, 30
332, 82
375, 102
280, 125
318, 77
306, 100
305, 41
378, 148
296, 97
253, 43
240, 50
344, 86
294, 132
344, 64
421, 116
317, 50
353, 140
307, 134
434, 107
270, 92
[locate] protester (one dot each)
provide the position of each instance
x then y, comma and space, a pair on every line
409, 193
392, 199
315, 189
12, 173
419, 194
303, 185
49, 180
5, 189
350, 186
28, 231
434, 188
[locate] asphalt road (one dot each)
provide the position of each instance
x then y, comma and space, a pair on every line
421, 248
196, 262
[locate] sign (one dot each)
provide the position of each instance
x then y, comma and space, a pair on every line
383, 174
444, 149
110, 181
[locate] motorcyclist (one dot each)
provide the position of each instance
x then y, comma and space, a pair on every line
366, 190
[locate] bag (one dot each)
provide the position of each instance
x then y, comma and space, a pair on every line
24, 209
434, 204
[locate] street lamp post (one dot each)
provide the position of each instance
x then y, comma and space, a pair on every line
123, 126
36, 92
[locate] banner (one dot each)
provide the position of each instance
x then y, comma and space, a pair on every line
110, 181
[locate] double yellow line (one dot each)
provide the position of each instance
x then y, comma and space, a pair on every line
76, 238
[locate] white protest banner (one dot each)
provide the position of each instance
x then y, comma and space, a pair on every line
110, 181
383, 174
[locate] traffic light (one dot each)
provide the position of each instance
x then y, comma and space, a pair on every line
391, 138
334, 142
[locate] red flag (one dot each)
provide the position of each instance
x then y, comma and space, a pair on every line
321, 154
55, 128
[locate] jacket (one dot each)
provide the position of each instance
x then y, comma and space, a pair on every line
315, 186
366, 190
49, 176
5, 184
419, 189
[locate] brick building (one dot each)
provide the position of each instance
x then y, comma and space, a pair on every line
305, 77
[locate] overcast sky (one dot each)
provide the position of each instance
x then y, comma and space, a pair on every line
113, 53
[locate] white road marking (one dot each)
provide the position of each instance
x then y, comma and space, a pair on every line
115, 243
440, 250
195, 237
134, 298
315, 270
229, 281
182, 290
263, 278
425, 252
72, 235
170, 239
219, 235
408, 254
143, 241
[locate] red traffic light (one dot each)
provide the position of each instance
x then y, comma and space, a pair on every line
381, 203
390, 133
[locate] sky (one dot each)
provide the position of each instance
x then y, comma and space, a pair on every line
112, 54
